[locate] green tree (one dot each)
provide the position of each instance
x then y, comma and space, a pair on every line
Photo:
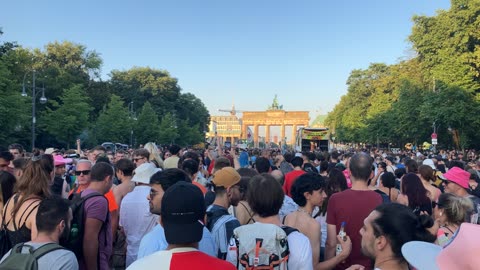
147, 127
14, 110
192, 108
114, 122
168, 130
140, 84
188, 135
452, 108
448, 45
66, 119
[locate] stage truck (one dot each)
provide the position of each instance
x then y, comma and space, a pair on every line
312, 139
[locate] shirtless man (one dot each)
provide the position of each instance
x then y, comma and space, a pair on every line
124, 170
308, 191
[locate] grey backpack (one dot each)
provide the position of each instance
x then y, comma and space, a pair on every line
26, 261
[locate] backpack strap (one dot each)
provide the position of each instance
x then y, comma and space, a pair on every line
38, 253
289, 230
213, 216
95, 194
73, 192
17, 249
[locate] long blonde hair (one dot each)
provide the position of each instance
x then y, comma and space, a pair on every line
154, 156
35, 181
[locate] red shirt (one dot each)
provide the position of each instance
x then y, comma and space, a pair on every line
290, 179
181, 259
352, 206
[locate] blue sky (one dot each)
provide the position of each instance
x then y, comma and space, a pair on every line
223, 51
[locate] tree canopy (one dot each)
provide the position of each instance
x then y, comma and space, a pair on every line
82, 105
400, 103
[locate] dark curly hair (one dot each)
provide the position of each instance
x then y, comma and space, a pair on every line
307, 182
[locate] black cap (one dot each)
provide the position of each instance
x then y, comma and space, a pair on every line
183, 210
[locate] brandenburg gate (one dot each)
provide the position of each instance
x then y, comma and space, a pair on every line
231, 128
274, 117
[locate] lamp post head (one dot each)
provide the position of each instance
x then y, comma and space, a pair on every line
43, 100
24, 92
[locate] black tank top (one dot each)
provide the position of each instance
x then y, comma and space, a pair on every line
21, 234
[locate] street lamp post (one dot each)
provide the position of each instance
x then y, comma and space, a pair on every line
43, 100
132, 115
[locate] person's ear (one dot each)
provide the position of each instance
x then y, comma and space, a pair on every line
307, 195
61, 225
381, 242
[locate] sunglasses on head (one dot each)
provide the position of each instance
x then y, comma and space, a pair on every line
86, 172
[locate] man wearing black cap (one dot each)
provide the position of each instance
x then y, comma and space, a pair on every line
181, 218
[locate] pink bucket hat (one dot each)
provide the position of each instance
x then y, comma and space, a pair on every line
59, 160
457, 176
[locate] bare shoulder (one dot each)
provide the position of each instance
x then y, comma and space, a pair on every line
314, 226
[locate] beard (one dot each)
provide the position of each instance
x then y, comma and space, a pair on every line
366, 252
64, 236
153, 210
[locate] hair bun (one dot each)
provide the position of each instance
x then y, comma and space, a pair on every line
425, 221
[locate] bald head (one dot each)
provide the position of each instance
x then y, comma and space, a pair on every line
360, 167
278, 175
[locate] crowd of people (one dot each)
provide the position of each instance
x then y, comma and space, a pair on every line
218, 208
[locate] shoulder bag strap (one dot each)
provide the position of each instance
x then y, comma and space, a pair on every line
38, 253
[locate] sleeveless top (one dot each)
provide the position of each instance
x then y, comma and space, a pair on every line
250, 214
21, 233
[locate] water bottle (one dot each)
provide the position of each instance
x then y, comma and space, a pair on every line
343, 235
74, 231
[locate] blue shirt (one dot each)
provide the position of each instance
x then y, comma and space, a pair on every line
155, 241
243, 159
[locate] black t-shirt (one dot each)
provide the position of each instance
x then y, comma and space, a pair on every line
385, 197
57, 186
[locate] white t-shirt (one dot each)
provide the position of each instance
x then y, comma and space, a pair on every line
300, 252
136, 220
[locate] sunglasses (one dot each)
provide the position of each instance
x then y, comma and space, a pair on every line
446, 182
137, 159
435, 204
86, 172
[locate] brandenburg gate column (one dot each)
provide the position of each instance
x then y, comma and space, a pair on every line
282, 132
267, 134
255, 135
294, 133
244, 132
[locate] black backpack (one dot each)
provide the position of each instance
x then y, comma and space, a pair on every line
26, 261
74, 241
